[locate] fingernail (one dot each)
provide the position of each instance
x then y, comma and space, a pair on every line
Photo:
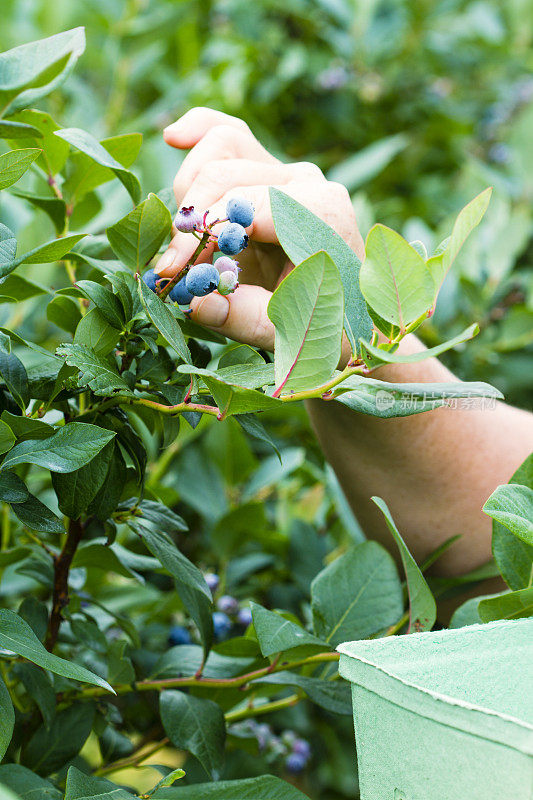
212, 310
165, 261
173, 127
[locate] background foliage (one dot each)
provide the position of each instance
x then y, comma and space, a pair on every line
416, 107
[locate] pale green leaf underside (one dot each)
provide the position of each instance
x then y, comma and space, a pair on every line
307, 310
395, 280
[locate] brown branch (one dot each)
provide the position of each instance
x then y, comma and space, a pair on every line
62, 565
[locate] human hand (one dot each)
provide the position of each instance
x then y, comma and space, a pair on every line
225, 161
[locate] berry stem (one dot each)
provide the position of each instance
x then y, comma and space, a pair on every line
201, 246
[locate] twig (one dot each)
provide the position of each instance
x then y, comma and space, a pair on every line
62, 564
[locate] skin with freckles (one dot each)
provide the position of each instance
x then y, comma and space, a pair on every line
435, 470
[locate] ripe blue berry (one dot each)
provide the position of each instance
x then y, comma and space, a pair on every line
295, 763
150, 278
228, 283
227, 264
187, 219
202, 279
232, 239
179, 635
212, 580
302, 747
244, 617
179, 293
221, 625
240, 210
227, 604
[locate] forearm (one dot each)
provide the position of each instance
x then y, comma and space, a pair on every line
435, 470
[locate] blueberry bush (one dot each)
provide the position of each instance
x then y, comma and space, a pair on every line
178, 564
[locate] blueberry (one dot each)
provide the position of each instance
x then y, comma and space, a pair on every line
232, 239
227, 264
240, 210
295, 763
212, 580
227, 604
244, 617
302, 747
187, 219
228, 283
221, 625
150, 278
179, 293
178, 635
202, 279
263, 733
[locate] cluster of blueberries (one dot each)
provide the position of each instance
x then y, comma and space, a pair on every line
229, 614
294, 750
223, 274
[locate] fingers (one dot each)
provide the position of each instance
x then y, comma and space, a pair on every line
193, 126
219, 143
241, 316
317, 196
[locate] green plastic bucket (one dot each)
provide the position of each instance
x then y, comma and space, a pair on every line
445, 715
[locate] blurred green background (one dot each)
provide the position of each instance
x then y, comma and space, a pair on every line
416, 105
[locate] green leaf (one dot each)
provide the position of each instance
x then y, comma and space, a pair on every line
7, 719
27, 784
20, 288
96, 372
106, 302
33, 70
70, 448
513, 556
137, 237
7, 438
15, 377
196, 725
83, 141
95, 333
12, 488
39, 687
164, 549
510, 605
276, 634
512, 506
357, 595
44, 253
85, 175
375, 356
422, 606
64, 312
265, 787
302, 234
8, 246
470, 216
231, 399
16, 635
10, 129
334, 696
307, 312
36, 516
163, 320
7, 794
387, 400
361, 167
76, 490
54, 207
394, 278
51, 748
86, 787
26, 427
14, 164
54, 151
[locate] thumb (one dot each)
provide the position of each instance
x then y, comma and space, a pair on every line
241, 316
